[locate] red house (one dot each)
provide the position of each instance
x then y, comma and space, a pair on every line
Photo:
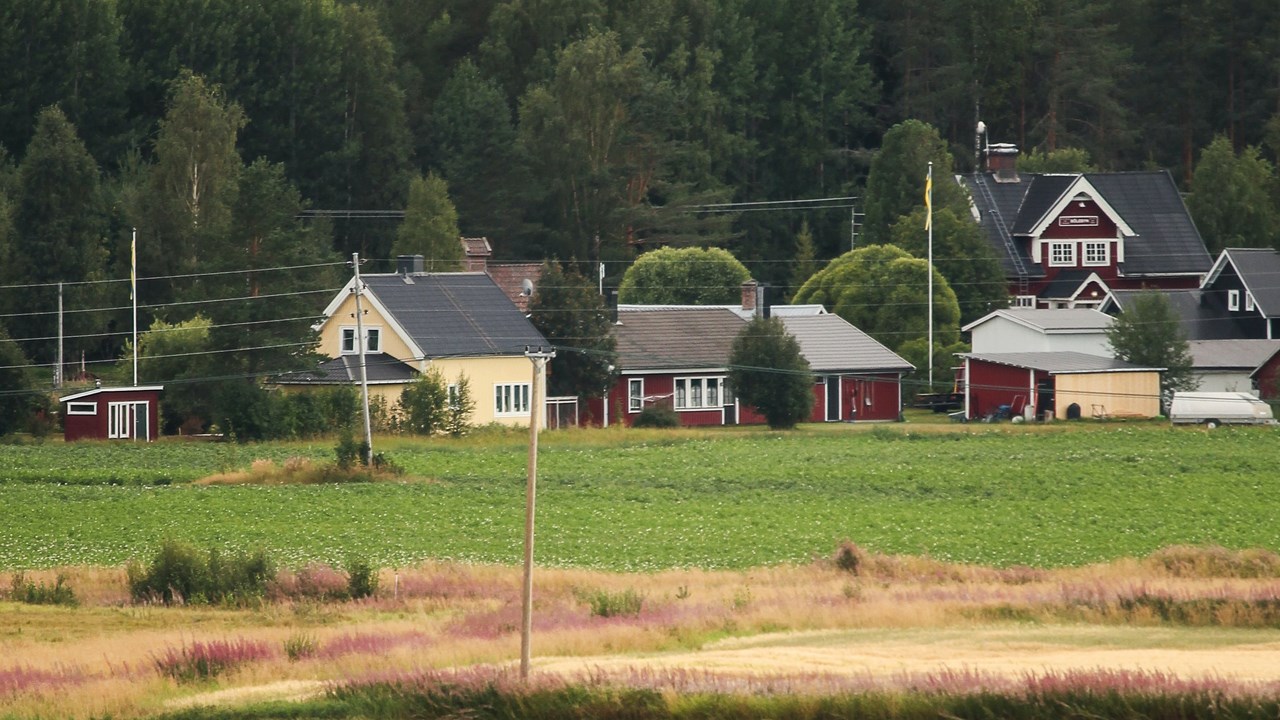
679, 356
124, 413
857, 378
1068, 240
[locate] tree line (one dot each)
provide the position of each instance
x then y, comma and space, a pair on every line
582, 130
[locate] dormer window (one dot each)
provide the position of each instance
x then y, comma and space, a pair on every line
1097, 253
1062, 254
1233, 300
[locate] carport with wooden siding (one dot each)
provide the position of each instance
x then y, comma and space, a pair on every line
1098, 386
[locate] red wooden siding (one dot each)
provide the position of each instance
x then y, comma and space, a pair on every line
991, 385
95, 427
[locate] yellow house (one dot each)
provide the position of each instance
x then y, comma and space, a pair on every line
457, 323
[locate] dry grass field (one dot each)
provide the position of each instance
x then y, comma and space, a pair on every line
1184, 615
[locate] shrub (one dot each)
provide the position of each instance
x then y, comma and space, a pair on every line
349, 452
180, 573
657, 416
606, 604
849, 557
29, 592
300, 646
201, 661
362, 579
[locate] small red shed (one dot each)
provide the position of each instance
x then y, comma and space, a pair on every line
122, 413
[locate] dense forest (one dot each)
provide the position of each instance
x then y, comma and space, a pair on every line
273, 134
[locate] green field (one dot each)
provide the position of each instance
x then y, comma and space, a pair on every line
646, 501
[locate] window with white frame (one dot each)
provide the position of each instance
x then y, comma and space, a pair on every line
454, 400
1024, 301
635, 395
82, 408
1062, 254
373, 340
1097, 253
699, 393
510, 399
1248, 301
1233, 299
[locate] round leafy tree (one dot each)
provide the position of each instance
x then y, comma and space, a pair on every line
684, 276
883, 290
1148, 333
768, 373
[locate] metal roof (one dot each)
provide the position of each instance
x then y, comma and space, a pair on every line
1198, 320
380, 369
1166, 242
1227, 354
454, 314
1060, 363
831, 344
688, 338
1259, 270
1050, 321
97, 390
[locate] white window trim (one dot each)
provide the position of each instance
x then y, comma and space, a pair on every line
702, 382
1233, 299
511, 399
122, 419
1248, 301
452, 394
370, 332
82, 408
1106, 253
635, 395
1024, 301
1069, 245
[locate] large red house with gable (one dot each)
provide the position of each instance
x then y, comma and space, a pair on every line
1068, 240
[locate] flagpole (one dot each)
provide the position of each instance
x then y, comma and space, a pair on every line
133, 296
928, 223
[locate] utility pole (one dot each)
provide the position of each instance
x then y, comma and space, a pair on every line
57, 370
539, 356
358, 289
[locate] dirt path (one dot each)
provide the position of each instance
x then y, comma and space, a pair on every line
1185, 653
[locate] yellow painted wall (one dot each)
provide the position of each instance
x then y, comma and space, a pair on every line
1120, 394
344, 316
482, 372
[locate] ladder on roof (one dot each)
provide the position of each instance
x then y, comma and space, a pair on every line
1020, 267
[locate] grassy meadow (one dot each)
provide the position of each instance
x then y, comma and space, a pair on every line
645, 500
1066, 570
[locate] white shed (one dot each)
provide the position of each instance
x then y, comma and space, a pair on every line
1024, 330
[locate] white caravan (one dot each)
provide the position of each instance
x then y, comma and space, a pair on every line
1212, 409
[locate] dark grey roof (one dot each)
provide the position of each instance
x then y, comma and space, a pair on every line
1060, 363
1228, 354
1259, 270
694, 338
1199, 321
831, 344
455, 314
1065, 284
1167, 241
1043, 192
344, 370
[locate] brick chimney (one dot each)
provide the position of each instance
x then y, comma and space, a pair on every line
1002, 160
749, 296
477, 252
